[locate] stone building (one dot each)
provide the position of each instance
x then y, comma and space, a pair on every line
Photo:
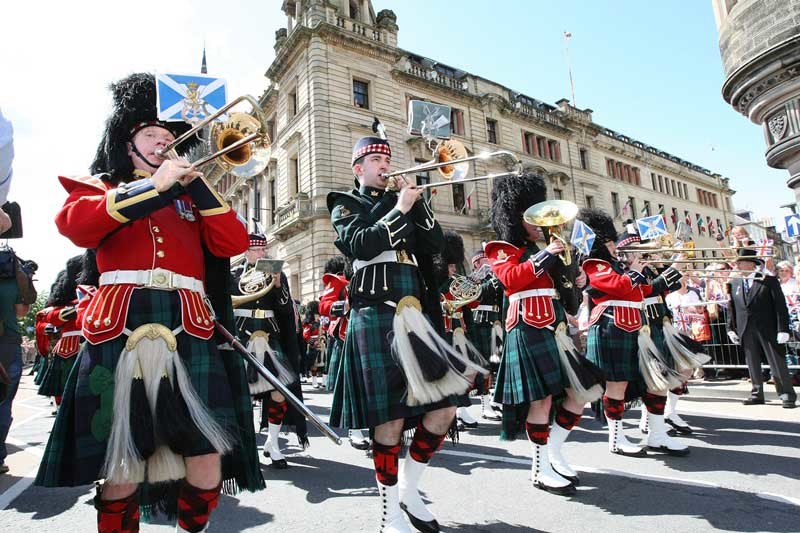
759, 41
338, 65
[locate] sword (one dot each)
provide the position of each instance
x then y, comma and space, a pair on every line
275, 382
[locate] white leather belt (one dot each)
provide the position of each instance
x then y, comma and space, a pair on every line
483, 307
158, 278
71, 334
653, 300
254, 313
623, 303
552, 293
389, 256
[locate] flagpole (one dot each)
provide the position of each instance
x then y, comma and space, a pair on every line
567, 36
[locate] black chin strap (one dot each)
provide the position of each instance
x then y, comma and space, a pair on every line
138, 153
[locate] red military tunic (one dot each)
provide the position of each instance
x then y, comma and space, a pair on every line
625, 293
336, 290
163, 243
66, 319
527, 279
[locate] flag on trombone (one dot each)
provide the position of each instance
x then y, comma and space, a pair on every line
189, 98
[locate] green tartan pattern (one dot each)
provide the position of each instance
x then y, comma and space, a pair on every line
333, 359
40, 379
40, 368
481, 337
530, 368
77, 446
370, 387
614, 350
56, 378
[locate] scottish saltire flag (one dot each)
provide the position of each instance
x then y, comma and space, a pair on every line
190, 97
651, 227
582, 237
764, 247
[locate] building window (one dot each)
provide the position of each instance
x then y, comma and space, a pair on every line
361, 94
294, 176
589, 201
457, 120
584, 154
256, 200
615, 203
660, 183
555, 150
529, 143
558, 194
272, 200
423, 178
647, 208
291, 103
632, 202
246, 211
459, 199
653, 180
685, 191
491, 131
271, 128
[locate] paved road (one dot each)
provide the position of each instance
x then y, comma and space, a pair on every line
742, 475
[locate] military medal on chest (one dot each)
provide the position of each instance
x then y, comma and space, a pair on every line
184, 210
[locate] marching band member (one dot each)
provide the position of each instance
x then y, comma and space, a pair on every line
619, 340
62, 312
681, 353
533, 369
264, 317
150, 401
314, 335
487, 330
334, 304
396, 370
458, 320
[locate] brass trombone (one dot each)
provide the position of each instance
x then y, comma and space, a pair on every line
241, 141
552, 214
451, 161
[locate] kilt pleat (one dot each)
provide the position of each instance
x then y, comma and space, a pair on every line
530, 368
77, 446
614, 350
333, 360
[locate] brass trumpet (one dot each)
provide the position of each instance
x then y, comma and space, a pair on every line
452, 162
553, 214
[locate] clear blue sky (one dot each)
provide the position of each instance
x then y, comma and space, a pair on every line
650, 70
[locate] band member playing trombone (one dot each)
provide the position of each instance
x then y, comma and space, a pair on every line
150, 400
535, 367
396, 370
620, 341
264, 314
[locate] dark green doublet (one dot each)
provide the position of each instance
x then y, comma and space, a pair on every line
370, 388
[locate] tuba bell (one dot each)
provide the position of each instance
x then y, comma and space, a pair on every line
257, 281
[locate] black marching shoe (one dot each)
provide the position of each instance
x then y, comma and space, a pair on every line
753, 401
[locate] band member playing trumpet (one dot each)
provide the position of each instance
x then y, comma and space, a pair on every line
396, 370
534, 370
150, 400
264, 313
487, 331
619, 339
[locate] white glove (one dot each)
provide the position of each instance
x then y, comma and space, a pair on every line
783, 337
733, 337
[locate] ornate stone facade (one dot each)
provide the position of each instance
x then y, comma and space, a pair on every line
337, 66
759, 41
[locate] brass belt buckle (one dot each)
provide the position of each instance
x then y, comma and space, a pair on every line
403, 257
259, 313
160, 279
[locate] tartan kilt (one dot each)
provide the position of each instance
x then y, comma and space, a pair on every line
56, 379
42, 377
40, 368
333, 360
614, 350
530, 368
481, 337
77, 446
370, 387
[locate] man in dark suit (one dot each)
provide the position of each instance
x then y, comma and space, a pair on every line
759, 320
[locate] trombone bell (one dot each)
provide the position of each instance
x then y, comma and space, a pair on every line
452, 150
552, 214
